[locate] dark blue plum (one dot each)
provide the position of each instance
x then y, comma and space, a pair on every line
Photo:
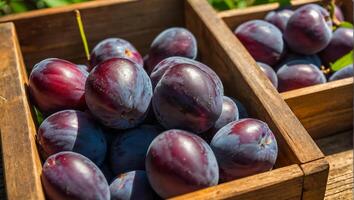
279, 18
171, 42
297, 76
309, 30
270, 73
242, 111
72, 130
118, 93
293, 58
341, 44
263, 40
229, 114
187, 97
243, 148
179, 162
114, 48
345, 72
128, 150
132, 185
68, 175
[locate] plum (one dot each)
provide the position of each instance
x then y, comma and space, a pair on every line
229, 114
294, 58
171, 42
129, 149
56, 84
118, 93
309, 30
167, 63
114, 48
72, 130
341, 44
296, 76
242, 111
179, 162
83, 67
279, 18
270, 73
69, 175
345, 72
132, 185
263, 40
243, 148
187, 97
338, 13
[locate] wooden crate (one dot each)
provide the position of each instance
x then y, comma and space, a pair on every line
53, 33
325, 110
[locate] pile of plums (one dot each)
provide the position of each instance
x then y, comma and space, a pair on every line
125, 127
295, 48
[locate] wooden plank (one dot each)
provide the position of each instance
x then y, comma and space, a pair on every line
21, 161
243, 79
315, 180
54, 32
283, 183
323, 109
339, 151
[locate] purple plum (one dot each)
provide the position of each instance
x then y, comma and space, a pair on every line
309, 30
118, 93
263, 40
167, 63
341, 44
179, 162
187, 97
294, 58
128, 150
279, 18
229, 114
296, 76
132, 185
338, 13
171, 42
243, 148
56, 84
72, 130
68, 175
270, 73
345, 72
114, 48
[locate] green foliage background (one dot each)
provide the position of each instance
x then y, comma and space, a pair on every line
18, 6
231, 4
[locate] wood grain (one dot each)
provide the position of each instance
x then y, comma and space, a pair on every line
54, 32
21, 161
238, 70
339, 153
323, 109
283, 183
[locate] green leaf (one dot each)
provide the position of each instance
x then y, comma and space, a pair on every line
56, 3
39, 116
343, 62
345, 24
18, 6
284, 3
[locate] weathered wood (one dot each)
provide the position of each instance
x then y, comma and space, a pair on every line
20, 157
315, 180
283, 183
323, 109
54, 33
242, 78
339, 153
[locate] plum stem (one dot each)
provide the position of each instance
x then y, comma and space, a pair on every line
82, 33
325, 70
